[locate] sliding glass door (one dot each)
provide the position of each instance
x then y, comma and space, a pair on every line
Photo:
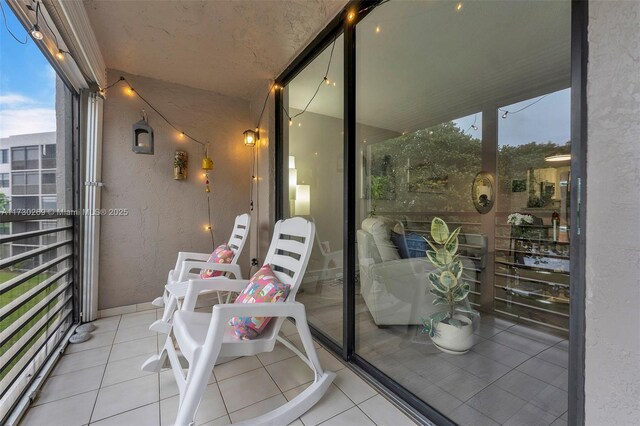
314, 172
459, 234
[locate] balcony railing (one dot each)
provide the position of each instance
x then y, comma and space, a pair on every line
36, 299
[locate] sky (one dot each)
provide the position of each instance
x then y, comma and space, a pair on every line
27, 83
548, 119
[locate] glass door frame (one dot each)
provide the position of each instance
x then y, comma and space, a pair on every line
345, 22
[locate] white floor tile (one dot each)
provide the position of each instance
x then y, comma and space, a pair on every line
133, 348
224, 420
137, 319
106, 324
148, 415
329, 361
81, 360
236, 367
126, 396
66, 385
96, 341
353, 386
134, 333
247, 388
332, 403
125, 369
258, 408
279, 353
211, 407
351, 417
75, 410
290, 373
384, 413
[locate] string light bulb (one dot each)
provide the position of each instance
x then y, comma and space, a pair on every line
459, 6
474, 127
505, 114
36, 33
378, 29
60, 55
351, 16
327, 81
102, 92
290, 122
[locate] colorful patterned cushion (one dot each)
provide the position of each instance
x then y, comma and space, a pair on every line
222, 254
262, 288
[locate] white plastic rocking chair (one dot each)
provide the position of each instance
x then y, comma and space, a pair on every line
177, 280
203, 338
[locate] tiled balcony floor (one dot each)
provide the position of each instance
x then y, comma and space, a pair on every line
100, 382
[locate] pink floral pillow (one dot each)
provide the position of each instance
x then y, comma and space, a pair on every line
222, 254
262, 288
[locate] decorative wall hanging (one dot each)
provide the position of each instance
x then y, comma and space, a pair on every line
482, 193
207, 164
142, 136
180, 165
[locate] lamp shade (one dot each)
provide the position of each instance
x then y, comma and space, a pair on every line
303, 200
250, 137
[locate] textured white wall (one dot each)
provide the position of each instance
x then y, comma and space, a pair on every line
166, 215
613, 215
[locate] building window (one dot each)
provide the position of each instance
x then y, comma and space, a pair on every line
4, 180
4, 156
48, 156
25, 203
49, 202
23, 183
25, 158
48, 182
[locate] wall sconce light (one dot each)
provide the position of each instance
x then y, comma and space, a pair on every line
250, 137
303, 200
142, 136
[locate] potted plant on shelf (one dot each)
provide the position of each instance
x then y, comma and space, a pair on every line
451, 330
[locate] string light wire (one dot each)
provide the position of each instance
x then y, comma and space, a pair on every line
4, 18
506, 111
183, 133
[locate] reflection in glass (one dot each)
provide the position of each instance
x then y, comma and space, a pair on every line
314, 172
433, 83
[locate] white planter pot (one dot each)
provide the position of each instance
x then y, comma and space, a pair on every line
454, 340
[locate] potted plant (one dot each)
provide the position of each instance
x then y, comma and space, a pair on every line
451, 330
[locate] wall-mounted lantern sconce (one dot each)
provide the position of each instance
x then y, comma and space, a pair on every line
142, 136
250, 137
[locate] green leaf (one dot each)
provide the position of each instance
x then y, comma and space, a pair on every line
468, 311
438, 293
456, 323
439, 230
431, 244
456, 268
444, 257
451, 245
433, 257
448, 280
461, 296
439, 316
440, 301
435, 281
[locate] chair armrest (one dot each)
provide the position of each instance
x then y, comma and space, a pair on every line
186, 255
211, 284
223, 267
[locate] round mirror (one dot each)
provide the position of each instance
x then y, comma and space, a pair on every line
482, 192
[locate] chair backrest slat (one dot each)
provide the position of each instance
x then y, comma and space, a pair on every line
289, 251
239, 235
